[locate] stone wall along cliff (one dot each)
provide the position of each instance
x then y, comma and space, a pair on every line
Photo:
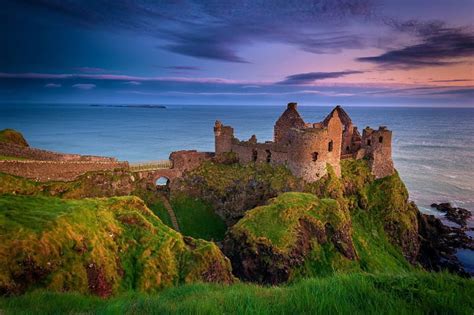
56, 170
14, 150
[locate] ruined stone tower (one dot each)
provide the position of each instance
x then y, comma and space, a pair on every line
376, 145
223, 137
289, 119
308, 148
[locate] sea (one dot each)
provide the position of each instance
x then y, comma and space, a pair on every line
433, 148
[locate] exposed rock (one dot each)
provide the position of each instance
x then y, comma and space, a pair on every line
439, 243
270, 242
12, 136
453, 214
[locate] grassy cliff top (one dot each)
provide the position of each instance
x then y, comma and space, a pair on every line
101, 246
12, 136
278, 221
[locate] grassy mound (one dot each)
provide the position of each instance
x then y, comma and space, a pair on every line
197, 218
271, 241
414, 293
13, 137
232, 189
99, 246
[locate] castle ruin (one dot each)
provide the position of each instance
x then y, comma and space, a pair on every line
307, 148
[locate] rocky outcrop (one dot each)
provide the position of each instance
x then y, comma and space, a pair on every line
232, 189
272, 241
439, 243
453, 214
11, 136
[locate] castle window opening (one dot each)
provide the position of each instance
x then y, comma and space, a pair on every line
380, 139
162, 182
369, 143
330, 146
348, 149
314, 156
269, 156
254, 155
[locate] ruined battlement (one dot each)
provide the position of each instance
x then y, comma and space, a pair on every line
308, 148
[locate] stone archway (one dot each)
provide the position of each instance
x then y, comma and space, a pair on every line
162, 182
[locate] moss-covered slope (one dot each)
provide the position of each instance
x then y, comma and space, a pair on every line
13, 137
233, 189
271, 241
99, 246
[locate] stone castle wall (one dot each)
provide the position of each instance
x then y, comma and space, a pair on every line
56, 170
14, 150
307, 148
377, 146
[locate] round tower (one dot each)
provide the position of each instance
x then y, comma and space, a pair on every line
308, 150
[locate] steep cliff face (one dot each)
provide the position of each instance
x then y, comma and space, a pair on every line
271, 241
98, 246
232, 189
354, 223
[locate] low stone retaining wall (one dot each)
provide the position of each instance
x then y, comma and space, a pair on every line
57, 170
14, 150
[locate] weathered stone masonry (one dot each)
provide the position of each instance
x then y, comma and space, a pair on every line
307, 148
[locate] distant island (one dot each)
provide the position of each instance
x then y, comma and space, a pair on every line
130, 106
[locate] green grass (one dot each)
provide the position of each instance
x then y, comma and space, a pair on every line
413, 293
12, 136
197, 219
278, 220
158, 208
10, 158
52, 243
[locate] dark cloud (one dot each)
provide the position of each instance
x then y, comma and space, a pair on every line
310, 77
214, 29
439, 46
452, 80
183, 68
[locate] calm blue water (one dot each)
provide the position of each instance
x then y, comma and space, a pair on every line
433, 148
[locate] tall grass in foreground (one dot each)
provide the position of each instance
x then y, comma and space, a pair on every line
412, 293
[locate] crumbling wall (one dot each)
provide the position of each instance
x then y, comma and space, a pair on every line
224, 136
14, 150
288, 120
187, 160
377, 147
56, 170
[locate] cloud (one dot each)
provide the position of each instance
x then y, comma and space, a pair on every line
310, 77
120, 77
452, 80
52, 85
440, 46
217, 29
132, 83
91, 70
84, 86
184, 68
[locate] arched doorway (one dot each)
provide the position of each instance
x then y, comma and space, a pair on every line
162, 182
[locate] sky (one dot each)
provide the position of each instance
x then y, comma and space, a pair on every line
252, 52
